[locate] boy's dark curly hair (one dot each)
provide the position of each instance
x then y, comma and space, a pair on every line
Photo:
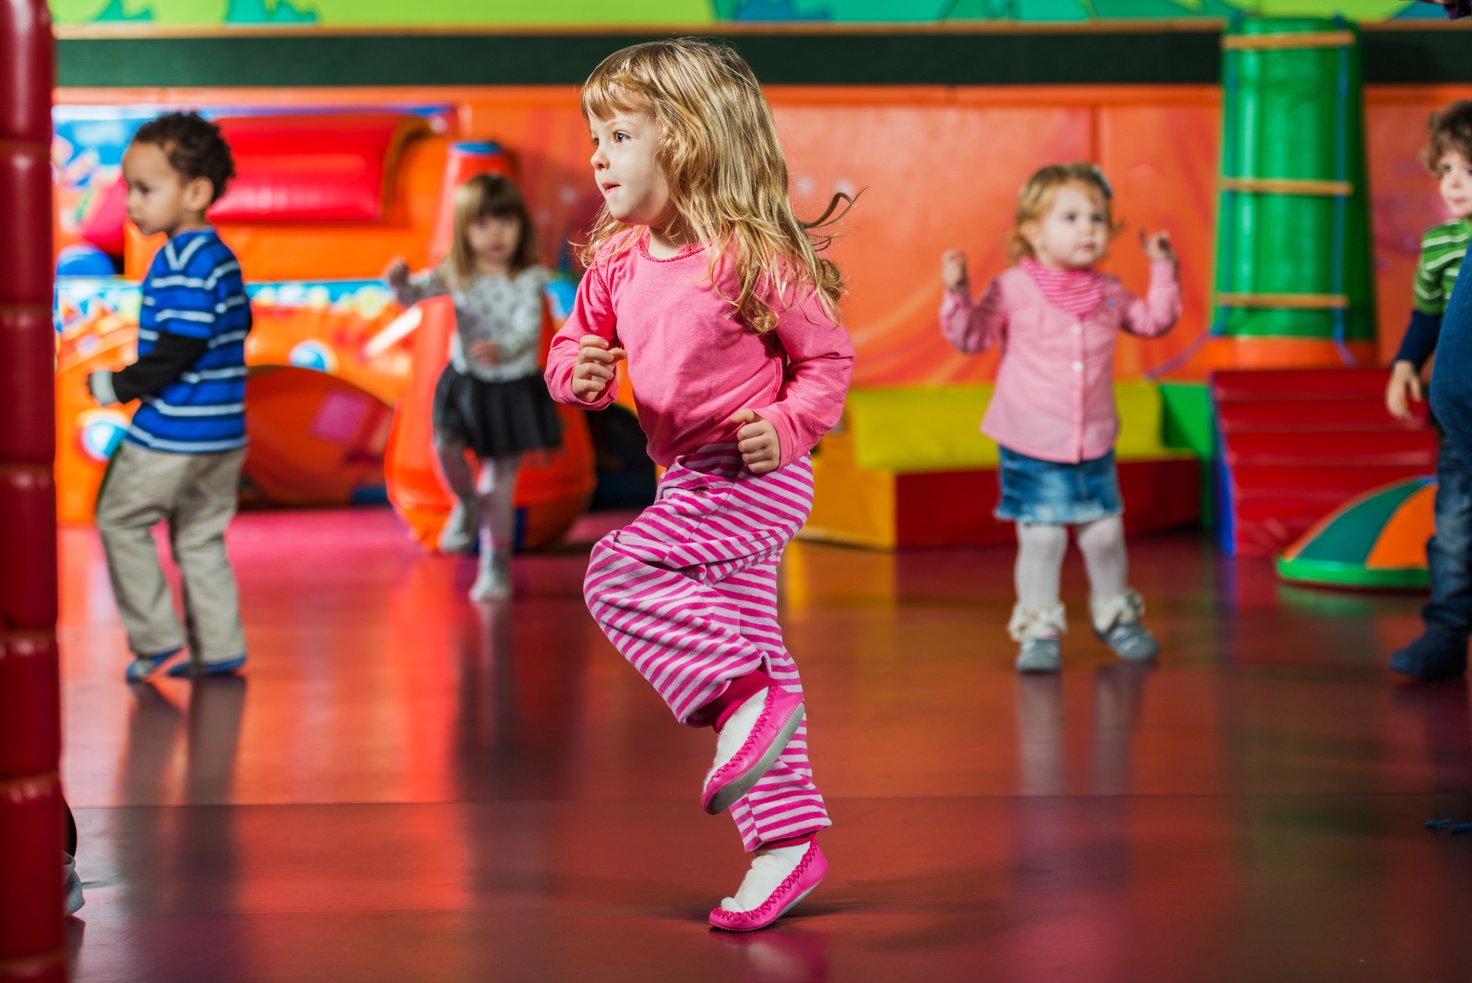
1451, 130
194, 146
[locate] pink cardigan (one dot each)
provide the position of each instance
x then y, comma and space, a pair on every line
692, 364
1054, 395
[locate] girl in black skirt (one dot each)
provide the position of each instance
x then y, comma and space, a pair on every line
491, 398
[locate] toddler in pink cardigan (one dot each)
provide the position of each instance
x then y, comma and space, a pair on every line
1055, 319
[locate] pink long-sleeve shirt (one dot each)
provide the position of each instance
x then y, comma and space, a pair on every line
693, 364
1054, 396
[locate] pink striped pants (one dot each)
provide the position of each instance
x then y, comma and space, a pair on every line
687, 592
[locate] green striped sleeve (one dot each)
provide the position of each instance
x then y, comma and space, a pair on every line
1442, 249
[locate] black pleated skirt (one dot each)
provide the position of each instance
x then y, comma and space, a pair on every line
497, 419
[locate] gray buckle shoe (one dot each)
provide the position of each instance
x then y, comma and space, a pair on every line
1130, 641
1039, 655
1125, 636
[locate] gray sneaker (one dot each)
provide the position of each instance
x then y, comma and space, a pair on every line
459, 532
1130, 641
1039, 655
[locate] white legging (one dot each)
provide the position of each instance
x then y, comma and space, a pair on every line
1040, 552
493, 490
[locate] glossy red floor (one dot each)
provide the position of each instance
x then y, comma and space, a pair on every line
407, 787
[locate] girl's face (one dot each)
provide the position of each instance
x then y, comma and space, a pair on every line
631, 181
493, 240
1074, 233
1454, 173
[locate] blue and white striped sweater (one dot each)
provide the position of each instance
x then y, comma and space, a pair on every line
194, 289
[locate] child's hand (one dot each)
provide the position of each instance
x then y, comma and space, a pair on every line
1157, 246
396, 273
953, 269
486, 352
99, 387
593, 372
757, 441
1404, 385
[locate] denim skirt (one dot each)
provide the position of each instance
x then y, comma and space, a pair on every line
1048, 493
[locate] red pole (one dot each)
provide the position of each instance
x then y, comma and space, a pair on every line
31, 916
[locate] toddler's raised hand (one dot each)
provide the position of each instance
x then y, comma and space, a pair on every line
757, 441
953, 269
1157, 246
1404, 385
396, 273
593, 372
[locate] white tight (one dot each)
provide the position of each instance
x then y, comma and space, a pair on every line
494, 489
1102, 544
1040, 552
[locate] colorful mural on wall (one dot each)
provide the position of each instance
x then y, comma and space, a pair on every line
584, 13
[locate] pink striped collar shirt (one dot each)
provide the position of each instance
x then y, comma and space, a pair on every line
1054, 396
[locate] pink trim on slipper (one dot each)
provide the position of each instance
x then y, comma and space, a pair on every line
808, 874
769, 735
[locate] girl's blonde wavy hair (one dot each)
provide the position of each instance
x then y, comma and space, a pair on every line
718, 150
1037, 195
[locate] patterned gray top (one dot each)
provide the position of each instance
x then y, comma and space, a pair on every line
499, 308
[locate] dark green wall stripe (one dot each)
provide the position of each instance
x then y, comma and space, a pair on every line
1435, 54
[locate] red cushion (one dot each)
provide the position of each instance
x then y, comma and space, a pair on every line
312, 168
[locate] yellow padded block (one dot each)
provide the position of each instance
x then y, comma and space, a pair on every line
912, 429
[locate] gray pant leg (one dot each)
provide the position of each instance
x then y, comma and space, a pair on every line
138, 493
205, 506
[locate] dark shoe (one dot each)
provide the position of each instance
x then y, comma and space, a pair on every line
1431, 657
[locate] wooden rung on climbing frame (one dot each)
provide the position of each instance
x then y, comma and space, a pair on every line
1303, 302
1278, 42
1288, 186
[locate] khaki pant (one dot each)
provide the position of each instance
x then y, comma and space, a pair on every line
196, 495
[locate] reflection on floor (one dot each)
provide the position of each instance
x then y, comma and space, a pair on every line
408, 787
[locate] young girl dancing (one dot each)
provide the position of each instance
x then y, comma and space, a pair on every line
490, 399
1056, 319
699, 273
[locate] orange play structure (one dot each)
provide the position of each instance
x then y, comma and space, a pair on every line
341, 377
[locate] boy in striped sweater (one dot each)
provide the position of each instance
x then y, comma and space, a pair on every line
180, 460
1441, 650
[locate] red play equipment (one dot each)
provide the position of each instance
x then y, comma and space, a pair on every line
1295, 444
31, 937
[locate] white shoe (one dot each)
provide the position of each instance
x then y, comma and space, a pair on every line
493, 583
71, 884
459, 532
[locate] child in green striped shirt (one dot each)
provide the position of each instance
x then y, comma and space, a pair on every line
1441, 650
